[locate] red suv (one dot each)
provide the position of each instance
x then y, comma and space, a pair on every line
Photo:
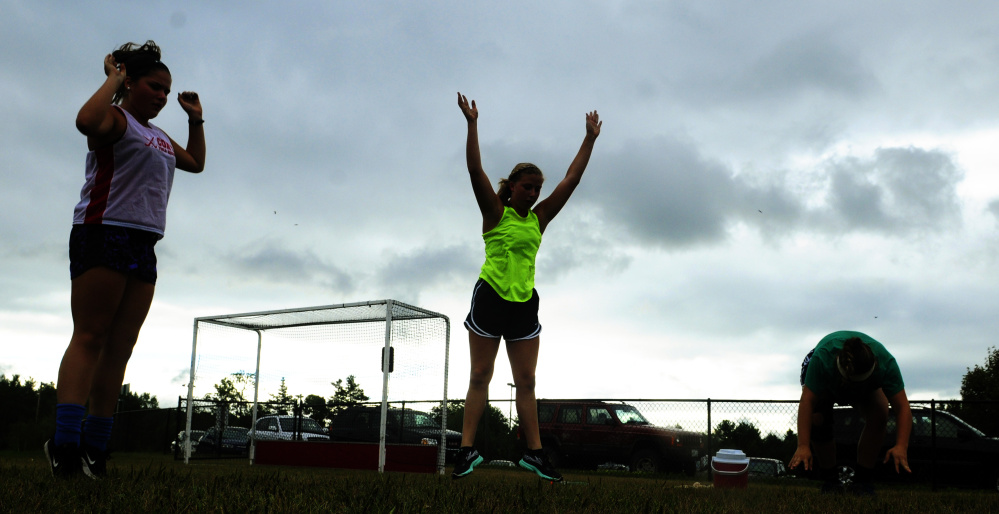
589, 433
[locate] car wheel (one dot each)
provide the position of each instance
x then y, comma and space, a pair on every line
646, 460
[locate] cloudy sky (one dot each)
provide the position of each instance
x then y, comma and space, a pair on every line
767, 172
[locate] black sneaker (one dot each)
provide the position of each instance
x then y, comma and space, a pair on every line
465, 461
64, 461
94, 462
538, 463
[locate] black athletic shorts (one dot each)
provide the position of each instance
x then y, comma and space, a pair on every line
122, 249
493, 317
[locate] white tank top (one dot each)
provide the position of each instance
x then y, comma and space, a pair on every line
128, 182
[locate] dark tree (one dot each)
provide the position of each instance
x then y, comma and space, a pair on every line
231, 398
131, 401
744, 436
981, 384
282, 400
346, 394
494, 439
28, 414
316, 408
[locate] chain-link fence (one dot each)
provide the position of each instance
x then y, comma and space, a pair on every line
760, 428
226, 429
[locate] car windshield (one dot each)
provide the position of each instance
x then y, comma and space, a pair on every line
951, 424
309, 425
415, 419
629, 415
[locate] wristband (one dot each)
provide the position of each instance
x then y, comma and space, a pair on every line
196, 122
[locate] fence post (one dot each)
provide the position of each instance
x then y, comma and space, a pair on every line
933, 444
178, 449
297, 430
710, 444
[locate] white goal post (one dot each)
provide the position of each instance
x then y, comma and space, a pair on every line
414, 350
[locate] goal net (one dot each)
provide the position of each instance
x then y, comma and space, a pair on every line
391, 351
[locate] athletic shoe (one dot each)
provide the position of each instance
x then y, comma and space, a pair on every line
861, 489
538, 463
64, 461
465, 461
94, 462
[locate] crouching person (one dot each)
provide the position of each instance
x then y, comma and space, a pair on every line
850, 368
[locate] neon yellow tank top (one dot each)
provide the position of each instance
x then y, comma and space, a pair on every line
511, 247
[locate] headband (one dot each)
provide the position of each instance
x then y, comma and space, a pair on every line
859, 377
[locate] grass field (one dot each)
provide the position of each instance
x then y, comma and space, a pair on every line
156, 483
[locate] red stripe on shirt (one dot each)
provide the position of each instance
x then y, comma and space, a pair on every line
102, 185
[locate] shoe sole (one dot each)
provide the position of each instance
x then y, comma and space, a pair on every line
537, 471
48, 457
87, 471
476, 462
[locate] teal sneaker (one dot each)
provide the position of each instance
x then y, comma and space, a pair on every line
466, 460
537, 461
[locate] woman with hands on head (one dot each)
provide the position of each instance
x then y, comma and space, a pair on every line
504, 301
120, 217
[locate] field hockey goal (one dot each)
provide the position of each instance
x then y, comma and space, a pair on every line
391, 351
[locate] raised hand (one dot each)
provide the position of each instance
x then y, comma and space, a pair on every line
470, 111
113, 69
593, 123
190, 103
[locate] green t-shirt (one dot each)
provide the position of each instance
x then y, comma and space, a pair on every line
511, 247
823, 378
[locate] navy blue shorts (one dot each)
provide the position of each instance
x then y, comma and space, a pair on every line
122, 249
494, 317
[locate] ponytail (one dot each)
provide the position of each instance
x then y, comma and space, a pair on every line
856, 360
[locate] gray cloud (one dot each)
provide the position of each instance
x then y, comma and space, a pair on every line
897, 191
576, 241
406, 274
343, 121
994, 208
804, 67
268, 261
663, 192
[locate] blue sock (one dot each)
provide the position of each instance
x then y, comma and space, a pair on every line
68, 418
97, 432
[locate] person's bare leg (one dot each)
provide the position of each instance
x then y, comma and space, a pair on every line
875, 412
95, 299
823, 453
482, 353
110, 371
523, 363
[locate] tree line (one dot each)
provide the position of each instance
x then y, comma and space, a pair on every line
29, 411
